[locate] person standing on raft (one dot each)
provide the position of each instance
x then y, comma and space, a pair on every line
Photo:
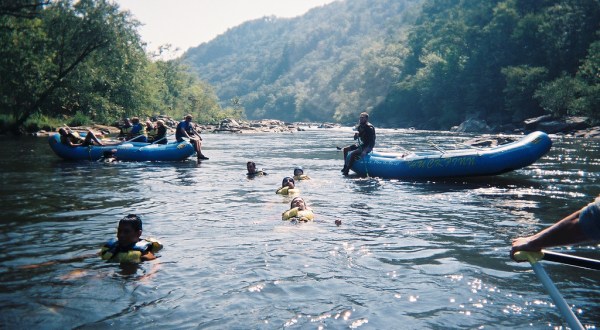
186, 129
364, 145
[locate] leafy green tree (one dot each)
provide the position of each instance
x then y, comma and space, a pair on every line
51, 48
560, 96
521, 84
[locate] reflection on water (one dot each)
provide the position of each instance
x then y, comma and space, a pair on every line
425, 254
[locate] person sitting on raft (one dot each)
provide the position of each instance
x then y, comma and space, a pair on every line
287, 187
124, 129
129, 247
366, 141
186, 129
298, 211
252, 171
137, 132
150, 130
160, 133
72, 139
299, 174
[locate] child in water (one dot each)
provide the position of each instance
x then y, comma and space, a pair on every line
298, 211
299, 174
129, 247
288, 187
252, 171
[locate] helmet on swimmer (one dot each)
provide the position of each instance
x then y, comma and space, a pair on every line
298, 168
286, 180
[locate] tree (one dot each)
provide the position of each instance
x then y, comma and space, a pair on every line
55, 45
521, 84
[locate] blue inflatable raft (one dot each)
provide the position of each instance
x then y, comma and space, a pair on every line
128, 151
455, 163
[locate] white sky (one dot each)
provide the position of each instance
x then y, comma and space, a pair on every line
188, 23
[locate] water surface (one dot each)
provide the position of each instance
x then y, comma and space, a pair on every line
409, 254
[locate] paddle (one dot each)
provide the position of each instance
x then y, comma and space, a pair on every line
559, 301
162, 138
130, 140
571, 260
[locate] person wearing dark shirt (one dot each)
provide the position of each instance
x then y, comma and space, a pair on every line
137, 132
186, 129
160, 133
365, 142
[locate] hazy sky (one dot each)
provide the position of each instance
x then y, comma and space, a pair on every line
188, 23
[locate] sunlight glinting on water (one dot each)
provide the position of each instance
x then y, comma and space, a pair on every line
425, 254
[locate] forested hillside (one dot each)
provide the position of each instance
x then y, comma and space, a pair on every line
80, 61
324, 65
501, 61
427, 64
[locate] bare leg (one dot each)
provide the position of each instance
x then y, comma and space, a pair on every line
198, 147
89, 137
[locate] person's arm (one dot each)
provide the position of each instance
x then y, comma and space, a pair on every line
70, 143
565, 232
195, 132
148, 256
183, 131
289, 214
370, 143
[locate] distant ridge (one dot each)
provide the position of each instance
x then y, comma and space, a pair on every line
322, 66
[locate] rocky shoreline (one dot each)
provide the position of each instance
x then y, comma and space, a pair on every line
572, 126
225, 126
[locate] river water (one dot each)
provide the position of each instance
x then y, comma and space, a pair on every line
408, 254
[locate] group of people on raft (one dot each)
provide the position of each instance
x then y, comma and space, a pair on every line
133, 131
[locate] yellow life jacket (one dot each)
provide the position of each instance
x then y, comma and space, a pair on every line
287, 191
304, 215
301, 177
113, 252
152, 132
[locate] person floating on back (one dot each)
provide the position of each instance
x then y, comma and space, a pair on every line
299, 174
298, 211
186, 129
252, 171
129, 247
287, 187
365, 142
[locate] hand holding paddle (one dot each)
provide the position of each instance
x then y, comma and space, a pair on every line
557, 257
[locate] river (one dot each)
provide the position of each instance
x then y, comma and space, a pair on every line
408, 254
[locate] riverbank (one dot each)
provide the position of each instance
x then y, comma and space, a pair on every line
225, 126
570, 126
